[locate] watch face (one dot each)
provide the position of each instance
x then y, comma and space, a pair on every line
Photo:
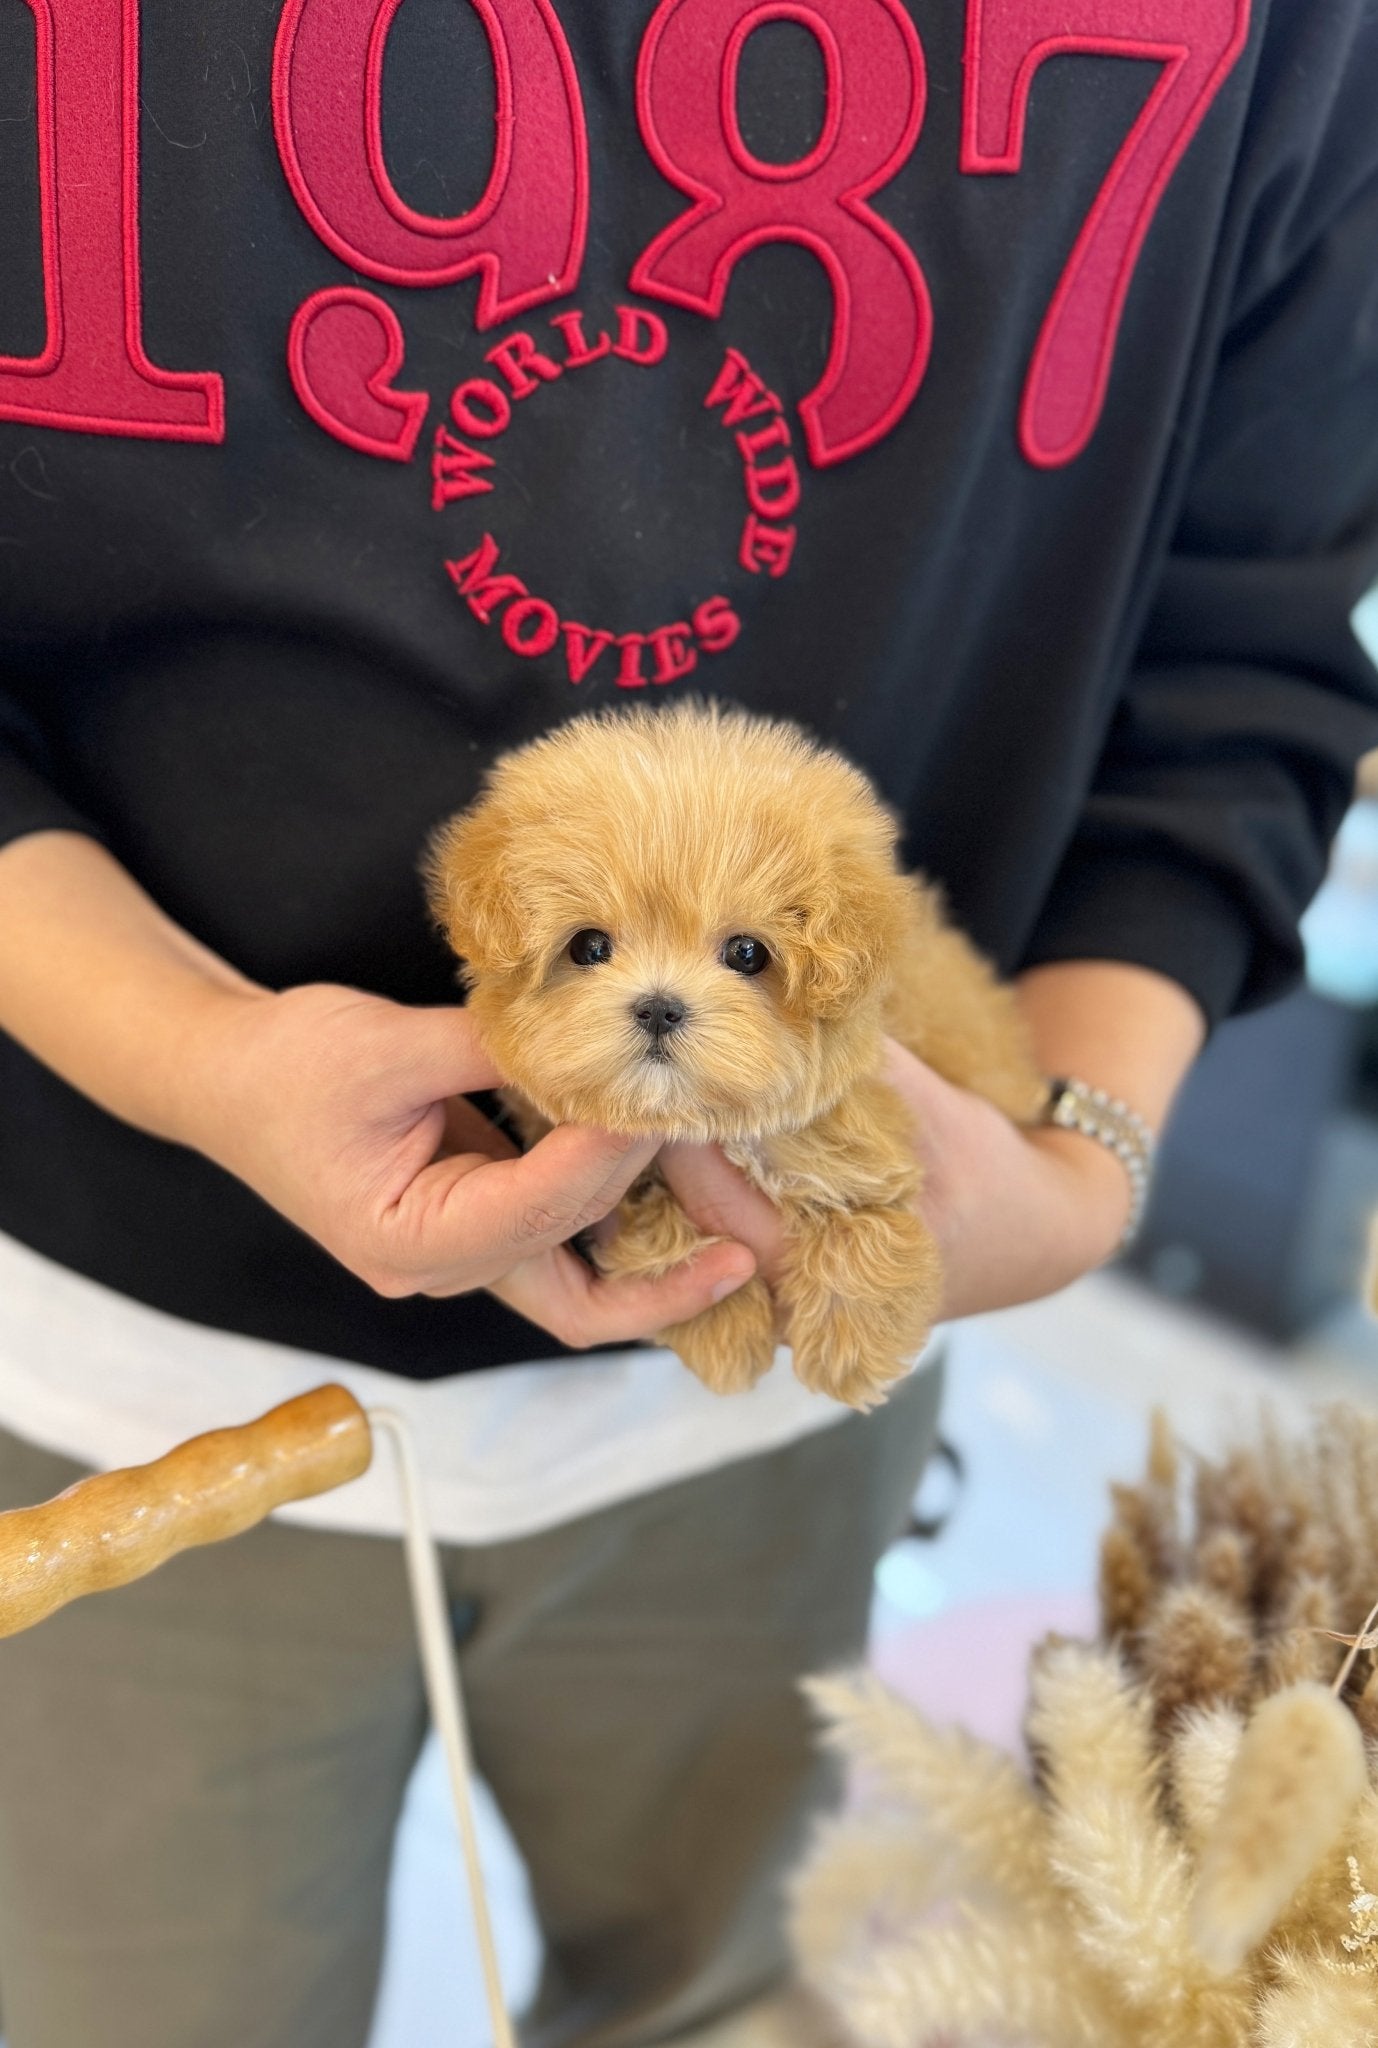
1062, 1103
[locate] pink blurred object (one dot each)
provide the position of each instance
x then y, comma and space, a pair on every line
971, 1663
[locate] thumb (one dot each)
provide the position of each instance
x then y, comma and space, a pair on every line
443, 1055
568, 1181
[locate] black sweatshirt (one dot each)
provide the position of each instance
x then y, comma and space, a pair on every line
990, 385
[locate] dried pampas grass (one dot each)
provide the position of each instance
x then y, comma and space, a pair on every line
1204, 1745
1188, 1864
1307, 2008
1298, 1775
1199, 1643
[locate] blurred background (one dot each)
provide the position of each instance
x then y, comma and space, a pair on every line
1269, 1175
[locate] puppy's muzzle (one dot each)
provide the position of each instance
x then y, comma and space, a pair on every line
659, 1016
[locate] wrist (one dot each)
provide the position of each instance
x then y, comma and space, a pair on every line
203, 1091
1106, 1120
1094, 1194
103, 987
1124, 1029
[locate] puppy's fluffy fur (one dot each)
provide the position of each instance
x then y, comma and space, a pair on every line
673, 833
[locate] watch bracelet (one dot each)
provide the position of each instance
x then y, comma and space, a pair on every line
1075, 1105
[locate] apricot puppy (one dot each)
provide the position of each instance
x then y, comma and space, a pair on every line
691, 923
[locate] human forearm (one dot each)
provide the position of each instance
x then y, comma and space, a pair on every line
99, 984
1121, 1028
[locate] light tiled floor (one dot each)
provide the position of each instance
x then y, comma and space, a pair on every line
1047, 1403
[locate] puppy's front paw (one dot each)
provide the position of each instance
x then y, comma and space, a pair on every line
728, 1346
732, 1344
653, 1234
861, 1291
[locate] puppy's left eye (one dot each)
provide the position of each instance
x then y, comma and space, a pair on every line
745, 955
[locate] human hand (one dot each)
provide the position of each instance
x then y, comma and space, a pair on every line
346, 1113
1017, 1213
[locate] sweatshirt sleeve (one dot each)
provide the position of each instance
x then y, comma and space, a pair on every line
1230, 760
30, 799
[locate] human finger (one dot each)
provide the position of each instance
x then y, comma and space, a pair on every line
569, 1180
462, 1222
439, 1053
721, 1201
584, 1309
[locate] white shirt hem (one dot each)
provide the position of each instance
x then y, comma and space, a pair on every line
505, 1451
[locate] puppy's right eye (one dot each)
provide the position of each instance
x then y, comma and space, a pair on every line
590, 949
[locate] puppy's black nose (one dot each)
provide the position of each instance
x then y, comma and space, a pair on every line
659, 1015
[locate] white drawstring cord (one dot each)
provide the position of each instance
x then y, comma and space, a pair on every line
441, 1668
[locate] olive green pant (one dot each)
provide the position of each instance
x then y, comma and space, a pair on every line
200, 1775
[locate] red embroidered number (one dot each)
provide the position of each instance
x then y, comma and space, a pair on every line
525, 236
687, 104
1196, 42
93, 376
344, 349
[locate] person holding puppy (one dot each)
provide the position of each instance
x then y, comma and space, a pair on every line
1014, 433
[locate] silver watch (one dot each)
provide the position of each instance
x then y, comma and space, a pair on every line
1075, 1106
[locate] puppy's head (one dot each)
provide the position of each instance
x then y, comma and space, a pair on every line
679, 923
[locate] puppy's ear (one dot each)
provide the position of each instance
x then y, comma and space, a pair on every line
470, 888
850, 930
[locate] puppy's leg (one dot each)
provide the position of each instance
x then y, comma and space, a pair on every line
860, 1292
730, 1345
863, 1277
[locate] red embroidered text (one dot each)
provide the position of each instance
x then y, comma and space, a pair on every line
770, 472
531, 627
687, 105
525, 238
93, 376
1197, 43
